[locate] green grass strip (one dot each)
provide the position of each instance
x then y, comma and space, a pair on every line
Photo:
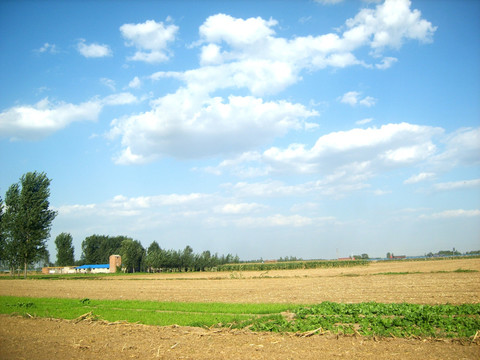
145, 312
368, 319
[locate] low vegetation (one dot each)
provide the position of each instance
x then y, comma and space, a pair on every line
366, 319
291, 265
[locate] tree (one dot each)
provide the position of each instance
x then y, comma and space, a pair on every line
96, 249
2, 237
187, 258
28, 219
133, 254
65, 250
154, 259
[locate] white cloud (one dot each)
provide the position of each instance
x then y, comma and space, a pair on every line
275, 220
246, 54
44, 118
462, 147
35, 122
388, 25
364, 121
387, 146
238, 208
453, 185
448, 214
354, 97
386, 63
186, 126
108, 83
48, 48
151, 40
124, 98
135, 83
419, 177
93, 50
345, 160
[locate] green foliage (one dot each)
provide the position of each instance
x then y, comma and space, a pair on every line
2, 235
145, 312
133, 254
65, 251
363, 256
27, 220
367, 319
309, 264
158, 259
96, 249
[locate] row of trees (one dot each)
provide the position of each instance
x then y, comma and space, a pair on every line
158, 259
25, 221
96, 249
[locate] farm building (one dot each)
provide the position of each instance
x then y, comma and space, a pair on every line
94, 269
115, 261
58, 270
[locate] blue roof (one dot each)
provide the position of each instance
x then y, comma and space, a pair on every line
100, 266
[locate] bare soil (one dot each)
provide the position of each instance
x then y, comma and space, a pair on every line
60, 339
428, 282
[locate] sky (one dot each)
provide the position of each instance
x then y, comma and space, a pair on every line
314, 129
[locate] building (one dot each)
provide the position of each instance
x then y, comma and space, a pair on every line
58, 270
115, 262
93, 269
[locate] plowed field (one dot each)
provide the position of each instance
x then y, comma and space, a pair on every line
428, 282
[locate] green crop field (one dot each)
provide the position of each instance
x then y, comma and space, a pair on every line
367, 319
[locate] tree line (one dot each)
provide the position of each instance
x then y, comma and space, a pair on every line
25, 224
96, 249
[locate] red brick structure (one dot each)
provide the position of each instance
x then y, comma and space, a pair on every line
115, 262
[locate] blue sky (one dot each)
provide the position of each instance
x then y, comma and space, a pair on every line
263, 129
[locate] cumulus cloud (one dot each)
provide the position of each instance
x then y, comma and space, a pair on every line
151, 40
135, 83
419, 177
238, 55
93, 50
461, 148
238, 208
44, 118
389, 145
34, 122
345, 161
354, 97
48, 48
449, 214
124, 98
364, 121
108, 83
388, 25
453, 185
187, 126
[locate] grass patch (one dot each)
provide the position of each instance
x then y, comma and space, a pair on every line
145, 312
367, 319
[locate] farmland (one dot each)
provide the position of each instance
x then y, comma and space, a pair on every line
346, 298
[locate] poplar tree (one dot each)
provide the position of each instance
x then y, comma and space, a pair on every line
27, 219
65, 250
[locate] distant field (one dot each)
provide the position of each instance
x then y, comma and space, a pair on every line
371, 306
419, 282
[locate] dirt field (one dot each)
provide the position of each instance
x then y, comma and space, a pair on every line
426, 283
430, 282
59, 339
